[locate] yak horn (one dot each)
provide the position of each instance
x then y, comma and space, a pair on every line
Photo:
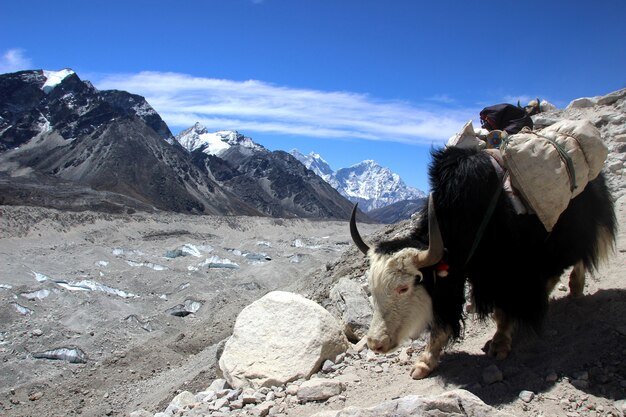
434, 253
356, 237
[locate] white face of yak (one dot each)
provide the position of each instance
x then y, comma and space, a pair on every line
402, 309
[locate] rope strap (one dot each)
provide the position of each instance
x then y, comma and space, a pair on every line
488, 214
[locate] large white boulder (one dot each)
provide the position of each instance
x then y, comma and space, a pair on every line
280, 338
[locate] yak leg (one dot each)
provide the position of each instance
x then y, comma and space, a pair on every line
429, 359
500, 345
577, 280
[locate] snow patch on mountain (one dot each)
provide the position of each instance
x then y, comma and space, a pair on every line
315, 163
213, 143
366, 183
54, 78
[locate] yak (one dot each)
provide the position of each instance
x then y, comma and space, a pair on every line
469, 232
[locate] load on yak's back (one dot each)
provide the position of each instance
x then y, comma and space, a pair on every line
544, 169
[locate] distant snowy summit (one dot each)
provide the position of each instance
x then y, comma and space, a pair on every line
366, 183
213, 143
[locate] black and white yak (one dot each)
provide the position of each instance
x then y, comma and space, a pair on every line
510, 261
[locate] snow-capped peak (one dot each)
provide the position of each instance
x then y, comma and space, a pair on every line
315, 163
213, 143
368, 183
54, 78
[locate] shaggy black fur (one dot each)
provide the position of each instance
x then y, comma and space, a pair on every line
516, 256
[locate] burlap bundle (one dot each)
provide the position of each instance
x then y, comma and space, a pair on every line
552, 166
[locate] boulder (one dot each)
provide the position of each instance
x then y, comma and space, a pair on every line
583, 102
452, 403
280, 338
319, 389
352, 307
612, 98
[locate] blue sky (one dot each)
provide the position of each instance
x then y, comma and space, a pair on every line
348, 79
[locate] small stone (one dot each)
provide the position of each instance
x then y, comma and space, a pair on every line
233, 394
206, 396
526, 396
141, 413
492, 374
183, 399
37, 332
219, 403
292, 389
319, 390
263, 409
404, 356
35, 396
327, 367
237, 404
248, 397
218, 385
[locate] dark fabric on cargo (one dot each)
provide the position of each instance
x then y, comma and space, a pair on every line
505, 117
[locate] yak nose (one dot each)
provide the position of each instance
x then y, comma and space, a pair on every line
378, 345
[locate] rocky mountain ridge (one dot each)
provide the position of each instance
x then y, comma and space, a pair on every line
110, 150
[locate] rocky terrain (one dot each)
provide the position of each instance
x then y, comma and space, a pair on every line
113, 314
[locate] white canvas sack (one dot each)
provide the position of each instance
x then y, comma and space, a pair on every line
541, 174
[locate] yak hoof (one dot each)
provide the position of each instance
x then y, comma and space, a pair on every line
420, 370
499, 348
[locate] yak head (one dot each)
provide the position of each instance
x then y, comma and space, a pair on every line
402, 306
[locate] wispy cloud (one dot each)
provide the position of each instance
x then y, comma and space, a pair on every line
14, 60
256, 106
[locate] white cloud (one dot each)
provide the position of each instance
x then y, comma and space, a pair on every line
14, 60
255, 106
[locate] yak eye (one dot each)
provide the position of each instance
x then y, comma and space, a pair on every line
419, 278
402, 289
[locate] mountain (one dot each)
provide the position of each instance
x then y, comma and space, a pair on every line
59, 131
396, 212
274, 183
65, 144
315, 163
197, 137
366, 183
